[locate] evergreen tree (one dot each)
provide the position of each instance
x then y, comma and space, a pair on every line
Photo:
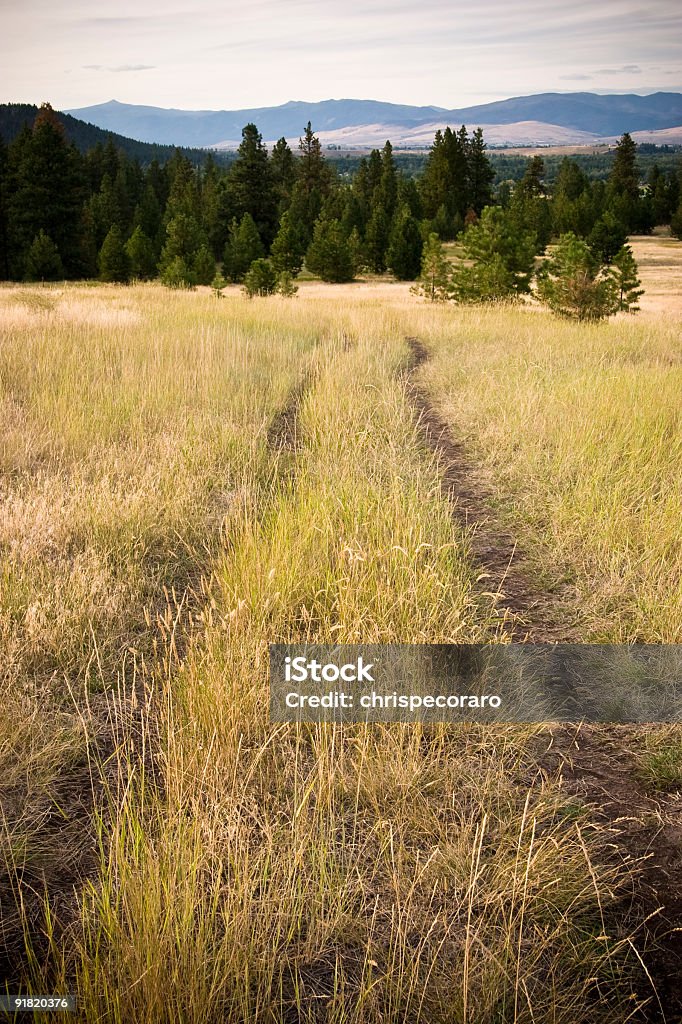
147, 215
624, 176
43, 262
377, 238
500, 259
312, 186
481, 174
283, 173
626, 281
113, 260
329, 254
405, 249
623, 185
213, 223
444, 185
260, 278
5, 271
203, 265
386, 193
676, 222
47, 188
606, 238
408, 195
288, 248
357, 251
183, 239
435, 278
574, 284
529, 206
177, 274
244, 245
217, 285
250, 184
285, 285
140, 253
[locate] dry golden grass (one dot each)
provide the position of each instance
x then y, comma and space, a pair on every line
154, 541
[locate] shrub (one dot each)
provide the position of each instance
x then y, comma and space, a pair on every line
177, 274
260, 278
285, 285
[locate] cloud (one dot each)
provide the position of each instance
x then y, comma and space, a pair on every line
575, 78
625, 69
119, 67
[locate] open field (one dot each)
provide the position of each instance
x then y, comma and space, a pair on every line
185, 480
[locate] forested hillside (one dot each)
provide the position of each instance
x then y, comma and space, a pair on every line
68, 214
85, 136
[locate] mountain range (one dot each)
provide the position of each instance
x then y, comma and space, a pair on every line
542, 119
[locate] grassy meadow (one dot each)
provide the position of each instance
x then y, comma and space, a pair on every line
185, 480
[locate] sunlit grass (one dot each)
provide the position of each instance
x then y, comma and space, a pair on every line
155, 540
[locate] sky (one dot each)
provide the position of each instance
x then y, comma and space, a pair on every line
220, 54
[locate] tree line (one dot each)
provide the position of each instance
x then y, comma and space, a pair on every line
68, 215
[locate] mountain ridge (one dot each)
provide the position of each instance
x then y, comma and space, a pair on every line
597, 115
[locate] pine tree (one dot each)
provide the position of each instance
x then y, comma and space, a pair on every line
250, 184
203, 265
329, 254
43, 262
434, 279
283, 173
500, 259
627, 283
623, 184
288, 248
260, 278
676, 222
285, 285
147, 215
48, 188
377, 238
574, 284
112, 260
4, 214
312, 186
529, 206
140, 253
481, 174
405, 249
177, 274
217, 285
386, 193
444, 185
244, 245
606, 238
183, 238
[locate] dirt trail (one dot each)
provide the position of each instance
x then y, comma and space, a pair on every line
596, 764
523, 612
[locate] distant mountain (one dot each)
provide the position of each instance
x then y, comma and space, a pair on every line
587, 115
211, 127
13, 116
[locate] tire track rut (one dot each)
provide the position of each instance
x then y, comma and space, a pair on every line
523, 612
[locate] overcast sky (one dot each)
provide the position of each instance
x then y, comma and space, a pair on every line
223, 54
